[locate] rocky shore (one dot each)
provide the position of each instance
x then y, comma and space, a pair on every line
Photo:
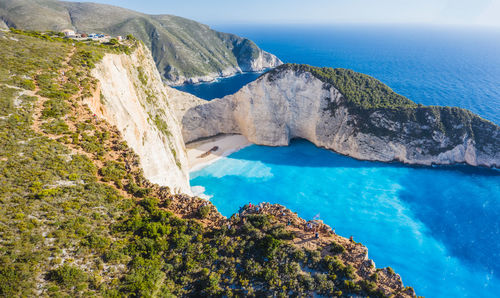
349, 113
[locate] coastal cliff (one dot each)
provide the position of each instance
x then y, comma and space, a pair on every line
80, 219
347, 112
132, 97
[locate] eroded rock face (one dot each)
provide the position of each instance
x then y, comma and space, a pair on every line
289, 104
133, 97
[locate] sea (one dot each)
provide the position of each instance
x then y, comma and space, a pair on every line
438, 227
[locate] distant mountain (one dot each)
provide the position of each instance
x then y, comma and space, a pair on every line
184, 50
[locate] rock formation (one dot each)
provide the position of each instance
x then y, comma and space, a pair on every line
350, 113
133, 97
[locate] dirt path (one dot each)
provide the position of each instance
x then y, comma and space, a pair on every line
78, 114
39, 105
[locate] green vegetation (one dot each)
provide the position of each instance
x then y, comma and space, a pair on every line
373, 105
77, 217
51, 199
358, 89
203, 211
180, 47
113, 171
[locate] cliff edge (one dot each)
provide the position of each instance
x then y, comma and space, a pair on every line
132, 96
347, 112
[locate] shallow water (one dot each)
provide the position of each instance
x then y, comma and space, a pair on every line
437, 227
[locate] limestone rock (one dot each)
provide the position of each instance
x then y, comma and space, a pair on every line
286, 104
133, 97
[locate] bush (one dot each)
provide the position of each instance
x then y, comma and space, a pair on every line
259, 221
203, 211
113, 171
351, 286
336, 248
55, 108
96, 242
136, 190
55, 127
27, 84
390, 271
269, 245
67, 275
150, 204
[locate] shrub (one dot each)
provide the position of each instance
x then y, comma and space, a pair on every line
259, 221
390, 271
55, 108
269, 245
96, 242
56, 127
113, 171
67, 275
136, 190
150, 204
27, 84
203, 211
351, 286
336, 248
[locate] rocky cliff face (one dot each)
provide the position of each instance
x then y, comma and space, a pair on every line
366, 120
133, 97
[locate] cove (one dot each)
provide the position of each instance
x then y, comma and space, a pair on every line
220, 87
437, 227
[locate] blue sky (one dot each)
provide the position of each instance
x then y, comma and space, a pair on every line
454, 12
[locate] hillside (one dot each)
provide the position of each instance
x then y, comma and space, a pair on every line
350, 113
78, 218
184, 50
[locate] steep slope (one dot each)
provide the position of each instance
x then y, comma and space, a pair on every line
133, 98
78, 218
350, 113
184, 50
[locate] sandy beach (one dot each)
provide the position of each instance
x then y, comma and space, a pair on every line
204, 152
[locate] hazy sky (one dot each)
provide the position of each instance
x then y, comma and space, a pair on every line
461, 12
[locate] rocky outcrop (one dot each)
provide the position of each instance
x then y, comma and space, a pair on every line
349, 113
133, 97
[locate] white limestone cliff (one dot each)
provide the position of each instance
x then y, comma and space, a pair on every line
299, 105
133, 97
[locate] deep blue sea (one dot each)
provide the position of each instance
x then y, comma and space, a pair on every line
438, 227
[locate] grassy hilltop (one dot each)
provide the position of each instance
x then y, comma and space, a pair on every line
180, 47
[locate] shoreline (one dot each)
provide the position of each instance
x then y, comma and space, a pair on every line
216, 79
204, 152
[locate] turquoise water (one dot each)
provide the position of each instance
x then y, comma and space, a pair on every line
437, 227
